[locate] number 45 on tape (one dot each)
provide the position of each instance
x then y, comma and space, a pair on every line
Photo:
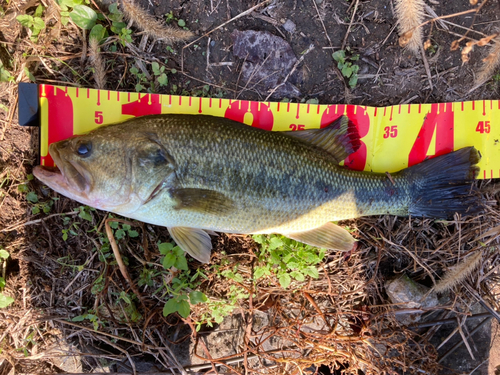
392, 138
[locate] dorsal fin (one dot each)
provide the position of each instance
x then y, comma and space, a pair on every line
340, 138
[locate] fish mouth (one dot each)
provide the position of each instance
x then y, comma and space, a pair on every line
66, 177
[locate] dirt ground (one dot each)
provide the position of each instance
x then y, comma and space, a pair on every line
66, 292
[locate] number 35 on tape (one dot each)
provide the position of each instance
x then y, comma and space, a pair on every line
392, 138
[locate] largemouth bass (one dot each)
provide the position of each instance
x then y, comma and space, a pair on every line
197, 173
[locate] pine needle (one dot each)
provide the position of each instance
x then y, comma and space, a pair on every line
410, 14
458, 273
490, 63
147, 23
97, 63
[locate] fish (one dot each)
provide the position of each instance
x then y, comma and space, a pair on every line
200, 174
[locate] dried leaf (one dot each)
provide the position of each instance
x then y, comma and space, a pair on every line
405, 39
455, 45
473, 2
427, 44
465, 52
484, 41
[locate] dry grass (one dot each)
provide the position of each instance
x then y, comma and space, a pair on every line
341, 318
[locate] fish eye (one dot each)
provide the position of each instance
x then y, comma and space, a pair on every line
84, 149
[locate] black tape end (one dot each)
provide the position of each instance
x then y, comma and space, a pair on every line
28, 106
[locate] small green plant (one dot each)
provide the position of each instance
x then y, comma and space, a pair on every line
5, 75
346, 66
32, 198
123, 230
181, 285
159, 72
287, 259
4, 300
90, 316
35, 23
141, 79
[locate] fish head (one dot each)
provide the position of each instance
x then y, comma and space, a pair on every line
110, 169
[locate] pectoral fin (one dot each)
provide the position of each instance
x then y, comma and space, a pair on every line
195, 242
328, 236
202, 200
340, 138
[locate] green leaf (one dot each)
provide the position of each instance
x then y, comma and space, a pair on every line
170, 307
5, 301
133, 233
181, 23
347, 71
275, 243
25, 20
165, 247
311, 271
124, 296
163, 79
339, 56
35, 210
259, 238
197, 297
285, 280
2, 282
97, 32
5, 76
169, 261
38, 25
29, 75
23, 188
4, 254
119, 234
113, 8
156, 68
181, 263
83, 16
84, 214
275, 258
79, 318
39, 11
118, 26
297, 275
70, 3
32, 197
184, 309
353, 81
260, 271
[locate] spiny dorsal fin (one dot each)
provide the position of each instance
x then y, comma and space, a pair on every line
202, 200
328, 236
340, 138
195, 242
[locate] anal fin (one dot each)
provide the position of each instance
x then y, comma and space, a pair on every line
328, 236
195, 242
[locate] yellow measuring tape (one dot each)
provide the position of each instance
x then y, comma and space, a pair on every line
392, 138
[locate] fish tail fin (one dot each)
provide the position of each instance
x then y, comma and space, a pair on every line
443, 186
